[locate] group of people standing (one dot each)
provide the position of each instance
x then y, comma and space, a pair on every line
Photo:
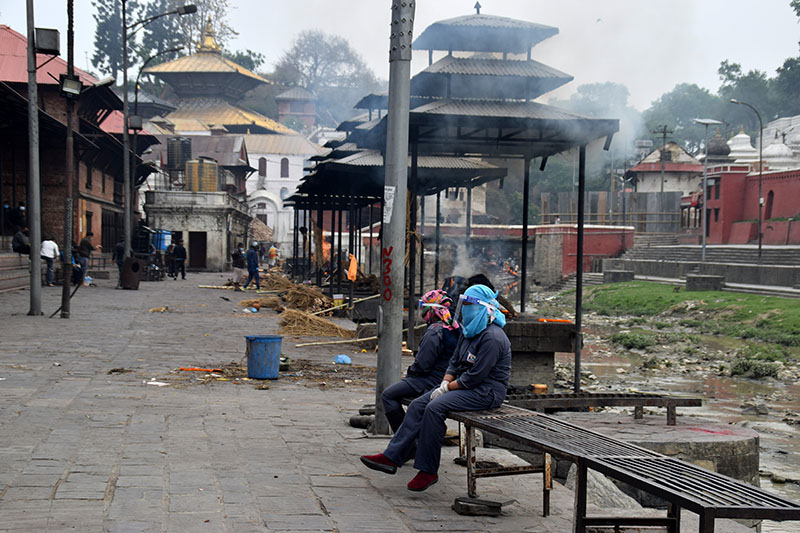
463, 364
50, 253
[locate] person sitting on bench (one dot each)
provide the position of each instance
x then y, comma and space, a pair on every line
476, 379
435, 350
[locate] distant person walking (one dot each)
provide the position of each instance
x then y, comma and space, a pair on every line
273, 255
180, 260
238, 263
252, 266
49, 253
170, 257
85, 249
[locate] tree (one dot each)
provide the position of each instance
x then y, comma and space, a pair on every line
246, 58
752, 87
164, 33
107, 57
317, 59
677, 109
786, 87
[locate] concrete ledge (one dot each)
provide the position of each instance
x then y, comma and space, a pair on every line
617, 276
704, 282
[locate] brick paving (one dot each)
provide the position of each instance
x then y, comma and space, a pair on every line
85, 450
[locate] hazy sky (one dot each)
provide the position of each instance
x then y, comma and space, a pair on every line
648, 45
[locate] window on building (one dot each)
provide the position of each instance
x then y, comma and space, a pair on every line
262, 166
102, 183
716, 214
89, 172
89, 215
284, 193
285, 167
716, 189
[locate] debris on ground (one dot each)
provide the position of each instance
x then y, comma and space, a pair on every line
156, 383
294, 322
196, 369
270, 302
342, 359
159, 309
276, 282
119, 371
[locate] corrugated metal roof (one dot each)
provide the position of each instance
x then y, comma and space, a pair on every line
373, 158
14, 62
282, 144
483, 33
224, 149
496, 109
296, 93
214, 111
203, 62
494, 67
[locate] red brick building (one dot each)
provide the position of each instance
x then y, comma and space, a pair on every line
98, 190
732, 205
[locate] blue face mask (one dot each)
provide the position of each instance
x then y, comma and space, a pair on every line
474, 319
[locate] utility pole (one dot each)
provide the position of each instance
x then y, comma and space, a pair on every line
663, 131
66, 263
390, 313
34, 211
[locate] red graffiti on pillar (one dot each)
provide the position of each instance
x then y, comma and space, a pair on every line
387, 273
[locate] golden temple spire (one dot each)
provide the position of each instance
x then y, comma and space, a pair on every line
208, 43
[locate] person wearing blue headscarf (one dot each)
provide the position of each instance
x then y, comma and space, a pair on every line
476, 379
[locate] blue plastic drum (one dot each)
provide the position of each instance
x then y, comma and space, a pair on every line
263, 356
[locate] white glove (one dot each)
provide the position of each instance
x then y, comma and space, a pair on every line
441, 389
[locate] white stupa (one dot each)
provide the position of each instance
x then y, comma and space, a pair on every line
742, 150
778, 156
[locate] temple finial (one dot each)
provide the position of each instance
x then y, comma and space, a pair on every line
477, 7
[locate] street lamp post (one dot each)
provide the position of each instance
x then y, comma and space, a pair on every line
126, 166
704, 217
760, 170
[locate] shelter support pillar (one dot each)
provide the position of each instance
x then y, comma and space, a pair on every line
523, 275
412, 244
438, 238
333, 249
579, 269
320, 251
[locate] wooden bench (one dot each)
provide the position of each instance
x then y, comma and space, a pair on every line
683, 485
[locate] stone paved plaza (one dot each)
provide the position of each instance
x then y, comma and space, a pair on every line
85, 450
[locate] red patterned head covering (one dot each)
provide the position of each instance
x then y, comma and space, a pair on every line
435, 307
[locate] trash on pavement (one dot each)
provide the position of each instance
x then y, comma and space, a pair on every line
195, 369
342, 359
156, 383
159, 309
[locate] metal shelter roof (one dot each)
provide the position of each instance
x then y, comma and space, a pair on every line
362, 174
469, 77
483, 128
483, 33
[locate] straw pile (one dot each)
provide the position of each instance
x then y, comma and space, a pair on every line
306, 298
276, 282
295, 322
271, 302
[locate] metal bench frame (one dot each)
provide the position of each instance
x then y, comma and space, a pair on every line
683, 485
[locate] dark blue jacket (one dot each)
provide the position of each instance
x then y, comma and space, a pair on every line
435, 350
483, 362
252, 260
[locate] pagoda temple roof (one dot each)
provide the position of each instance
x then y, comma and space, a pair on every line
207, 72
483, 33
235, 119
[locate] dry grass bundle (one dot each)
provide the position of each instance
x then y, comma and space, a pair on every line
295, 322
271, 302
306, 298
276, 282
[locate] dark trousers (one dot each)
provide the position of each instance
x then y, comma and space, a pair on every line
425, 424
171, 270
393, 394
251, 277
50, 271
180, 266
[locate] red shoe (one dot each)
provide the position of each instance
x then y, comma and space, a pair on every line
422, 481
380, 463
